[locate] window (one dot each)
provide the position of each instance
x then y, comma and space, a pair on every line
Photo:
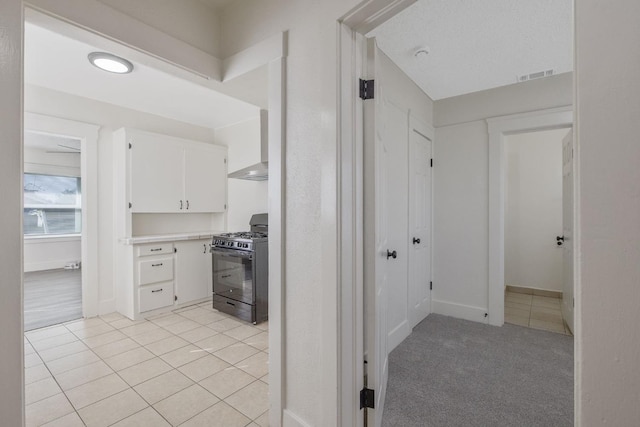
52, 205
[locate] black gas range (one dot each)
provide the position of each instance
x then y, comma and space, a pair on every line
241, 271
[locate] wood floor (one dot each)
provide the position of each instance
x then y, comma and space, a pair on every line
51, 297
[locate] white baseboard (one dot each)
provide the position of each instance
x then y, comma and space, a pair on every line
467, 312
289, 419
45, 265
399, 334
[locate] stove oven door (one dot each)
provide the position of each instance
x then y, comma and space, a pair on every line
233, 274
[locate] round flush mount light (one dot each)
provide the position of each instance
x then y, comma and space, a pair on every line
111, 63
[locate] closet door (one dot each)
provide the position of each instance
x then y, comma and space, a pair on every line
420, 145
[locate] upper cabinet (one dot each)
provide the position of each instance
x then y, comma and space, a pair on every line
205, 178
172, 175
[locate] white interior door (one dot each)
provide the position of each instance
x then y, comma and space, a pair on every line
567, 229
420, 145
375, 245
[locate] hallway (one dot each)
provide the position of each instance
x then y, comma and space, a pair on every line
453, 372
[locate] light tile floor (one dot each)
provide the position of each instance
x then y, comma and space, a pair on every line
534, 311
191, 367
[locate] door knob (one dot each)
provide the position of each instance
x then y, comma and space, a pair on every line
393, 254
416, 241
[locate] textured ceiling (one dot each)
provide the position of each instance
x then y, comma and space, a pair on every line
478, 44
59, 62
216, 4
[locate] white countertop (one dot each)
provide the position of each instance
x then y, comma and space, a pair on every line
194, 235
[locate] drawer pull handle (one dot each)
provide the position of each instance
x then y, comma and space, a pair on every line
156, 265
224, 276
157, 290
230, 303
156, 249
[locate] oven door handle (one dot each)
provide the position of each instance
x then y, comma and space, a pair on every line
231, 253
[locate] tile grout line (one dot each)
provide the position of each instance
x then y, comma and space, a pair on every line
139, 345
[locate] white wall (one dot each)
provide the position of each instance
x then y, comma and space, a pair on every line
311, 293
109, 117
607, 315
48, 253
533, 209
461, 188
244, 198
11, 350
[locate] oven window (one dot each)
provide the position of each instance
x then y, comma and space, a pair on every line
233, 276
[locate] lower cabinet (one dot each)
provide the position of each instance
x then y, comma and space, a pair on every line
163, 275
193, 278
155, 296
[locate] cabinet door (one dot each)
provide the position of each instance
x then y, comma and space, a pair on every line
156, 168
192, 270
205, 179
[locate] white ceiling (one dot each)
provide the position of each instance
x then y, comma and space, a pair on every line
477, 45
46, 142
58, 62
216, 4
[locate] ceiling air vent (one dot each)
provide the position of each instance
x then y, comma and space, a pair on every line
536, 75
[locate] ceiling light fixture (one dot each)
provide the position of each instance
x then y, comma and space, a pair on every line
421, 52
111, 63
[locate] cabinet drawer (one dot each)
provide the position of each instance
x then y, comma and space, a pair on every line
155, 296
157, 249
155, 270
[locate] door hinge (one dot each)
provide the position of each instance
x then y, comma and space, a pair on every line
225, 207
431, 162
175, 250
175, 297
430, 286
130, 205
225, 161
130, 146
367, 398
366, 89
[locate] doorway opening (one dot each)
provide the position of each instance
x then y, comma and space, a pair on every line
534, 238
52, 222
470, 128
182, 340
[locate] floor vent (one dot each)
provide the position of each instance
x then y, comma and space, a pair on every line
536, 75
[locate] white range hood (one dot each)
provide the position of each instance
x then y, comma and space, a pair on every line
258, 171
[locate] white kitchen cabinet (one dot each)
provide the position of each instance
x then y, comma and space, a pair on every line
159, 277
169, 175
205, 179
156, 174
193, 277
153, 278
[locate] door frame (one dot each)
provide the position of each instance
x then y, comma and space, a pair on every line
499, 128
351, 54
88, 136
